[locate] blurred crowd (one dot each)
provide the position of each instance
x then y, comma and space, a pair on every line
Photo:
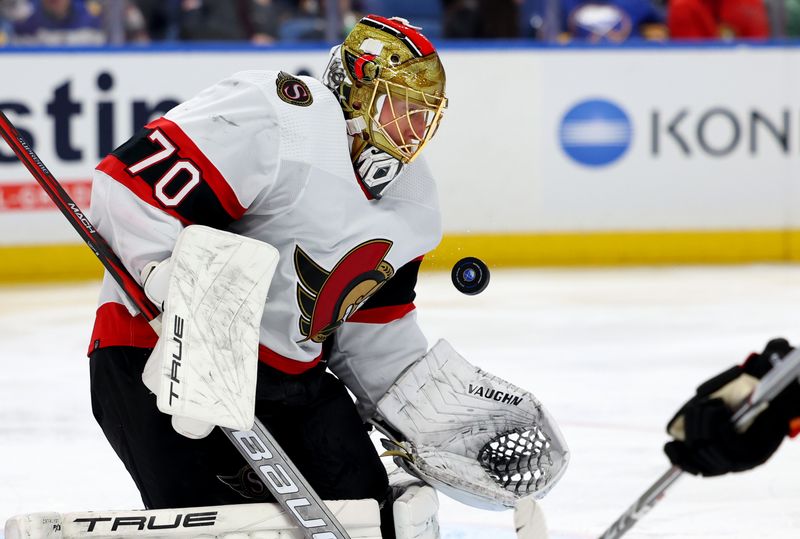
94, 22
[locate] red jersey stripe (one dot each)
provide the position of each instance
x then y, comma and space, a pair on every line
115, 326
285, 364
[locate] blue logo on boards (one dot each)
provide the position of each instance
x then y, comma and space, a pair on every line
595, 133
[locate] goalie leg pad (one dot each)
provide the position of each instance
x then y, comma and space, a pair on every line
246, 521
204, 367
415, 509
35, 526
529, 520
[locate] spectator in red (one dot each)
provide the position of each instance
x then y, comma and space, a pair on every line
718, 19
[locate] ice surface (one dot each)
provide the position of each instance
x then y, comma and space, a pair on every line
611, 352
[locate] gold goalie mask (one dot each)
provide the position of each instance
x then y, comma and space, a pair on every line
391, 86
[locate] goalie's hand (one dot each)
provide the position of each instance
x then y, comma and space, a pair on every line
706, 440
155, 281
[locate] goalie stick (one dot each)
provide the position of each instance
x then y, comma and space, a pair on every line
258, 447
781, 375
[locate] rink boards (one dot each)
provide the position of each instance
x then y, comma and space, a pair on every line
546, 156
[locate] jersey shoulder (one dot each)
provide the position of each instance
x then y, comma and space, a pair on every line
207, 159
312, 125
415, 184
281, 86
252, 136
296, 97
415, 189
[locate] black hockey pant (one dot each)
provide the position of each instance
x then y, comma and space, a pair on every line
311, 416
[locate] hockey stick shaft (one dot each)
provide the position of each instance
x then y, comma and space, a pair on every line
258, 446
643, 504
285, 482
783, 373
77, 218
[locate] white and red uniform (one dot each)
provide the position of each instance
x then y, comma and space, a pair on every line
266, 155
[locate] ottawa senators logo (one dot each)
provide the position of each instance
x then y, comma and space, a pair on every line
247, 483
327, 298
293, 91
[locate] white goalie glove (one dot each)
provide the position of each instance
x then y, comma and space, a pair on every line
475, 437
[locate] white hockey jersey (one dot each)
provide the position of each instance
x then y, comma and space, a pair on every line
266, 155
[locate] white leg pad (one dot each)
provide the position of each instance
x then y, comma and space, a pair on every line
249, 521
416, 510
529, 520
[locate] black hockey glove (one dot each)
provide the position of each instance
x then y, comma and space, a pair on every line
706, 441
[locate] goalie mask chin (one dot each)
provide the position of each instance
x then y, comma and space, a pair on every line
391, 87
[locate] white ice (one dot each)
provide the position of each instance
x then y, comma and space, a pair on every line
611, 352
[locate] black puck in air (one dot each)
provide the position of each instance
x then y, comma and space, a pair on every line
470, 276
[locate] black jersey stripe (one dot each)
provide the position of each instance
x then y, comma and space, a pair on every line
399, 290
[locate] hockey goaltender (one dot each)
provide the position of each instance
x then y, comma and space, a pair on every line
280, 222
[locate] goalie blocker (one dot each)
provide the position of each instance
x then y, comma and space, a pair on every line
212, 289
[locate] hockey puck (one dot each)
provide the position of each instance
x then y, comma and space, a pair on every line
470, 276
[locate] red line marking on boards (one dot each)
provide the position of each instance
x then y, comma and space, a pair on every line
29, 196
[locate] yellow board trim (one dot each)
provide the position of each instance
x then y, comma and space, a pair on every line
50, 263
619, 248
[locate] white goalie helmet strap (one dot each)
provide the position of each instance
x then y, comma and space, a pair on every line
335, 74
376, 169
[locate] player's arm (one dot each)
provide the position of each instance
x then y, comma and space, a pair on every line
705, 440
472, 435
386, 328
204, 162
